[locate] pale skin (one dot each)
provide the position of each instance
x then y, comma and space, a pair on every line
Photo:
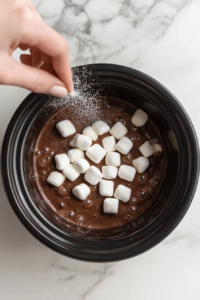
47, 68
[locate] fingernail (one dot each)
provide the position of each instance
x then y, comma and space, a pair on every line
58, 91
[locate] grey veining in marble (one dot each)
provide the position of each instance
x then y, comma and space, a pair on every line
110, 31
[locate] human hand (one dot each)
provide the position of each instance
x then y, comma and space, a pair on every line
47, 69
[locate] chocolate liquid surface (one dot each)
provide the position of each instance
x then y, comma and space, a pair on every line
89, 213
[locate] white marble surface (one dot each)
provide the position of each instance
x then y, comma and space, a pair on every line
160, 38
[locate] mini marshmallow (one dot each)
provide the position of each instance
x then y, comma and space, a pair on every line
127, 172
81, 191
62, 160
82, 165
106, 187
141, 164
74, 154
56, 178
100, 127
72, 142
124, 145
83, 142
122, 193
88, 131
157, 147
109, 172
110, 205
70, 172
139, 118
113, 159
96, 153
93, 175
109, 143
66, 128
118, 130
146, 149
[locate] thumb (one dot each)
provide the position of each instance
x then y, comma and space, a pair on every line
36, 80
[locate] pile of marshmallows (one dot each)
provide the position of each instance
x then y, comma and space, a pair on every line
73, 164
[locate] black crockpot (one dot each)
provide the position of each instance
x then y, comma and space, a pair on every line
134, 237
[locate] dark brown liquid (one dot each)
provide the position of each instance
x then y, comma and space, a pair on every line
89, 213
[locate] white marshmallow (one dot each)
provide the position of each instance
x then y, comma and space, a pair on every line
139, 118
72, 142
106, 187
81, 191
82, 165
109, 143
83, 142
122, 193
146, 149
62, 160
88, 131
96, 153
93, 175
124, 145
113, 159
118, 130
109, 172
127, 172
141, 164
66, 128
74, 154
100, 127
71, 173
56, 178
110, 205
157, 148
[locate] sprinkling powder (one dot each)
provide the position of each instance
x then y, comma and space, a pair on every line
84, 98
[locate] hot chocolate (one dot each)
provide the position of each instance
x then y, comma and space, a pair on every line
90, 212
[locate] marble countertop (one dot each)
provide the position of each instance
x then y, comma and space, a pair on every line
160, 38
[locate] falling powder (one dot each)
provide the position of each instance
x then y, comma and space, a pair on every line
84, 99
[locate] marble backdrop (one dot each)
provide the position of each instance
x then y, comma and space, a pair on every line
160, 38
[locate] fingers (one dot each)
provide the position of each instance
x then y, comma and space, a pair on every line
52, 44
48, 68
46, 58
36, 80
23, 47
26, 59
36, 57
62, 67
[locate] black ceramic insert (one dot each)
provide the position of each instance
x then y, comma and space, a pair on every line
136, 236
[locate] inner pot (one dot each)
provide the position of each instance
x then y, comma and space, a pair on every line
160, 218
